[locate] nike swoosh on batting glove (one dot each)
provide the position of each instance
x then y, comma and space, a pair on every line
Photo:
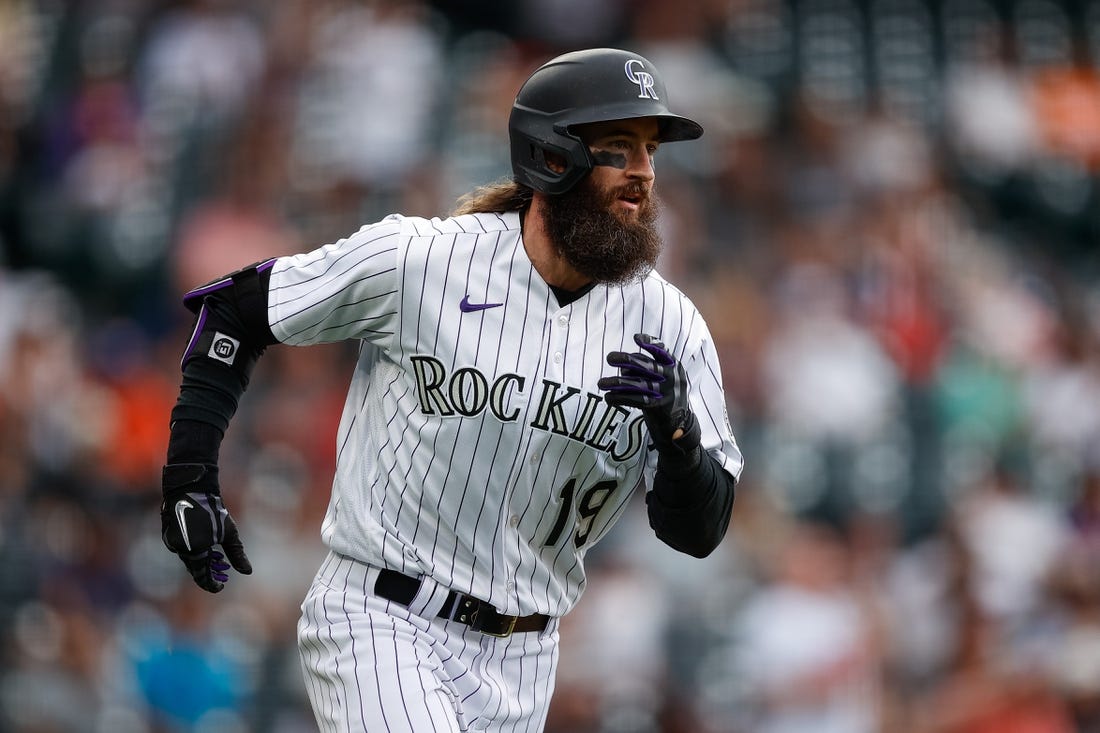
653, 381
194, 523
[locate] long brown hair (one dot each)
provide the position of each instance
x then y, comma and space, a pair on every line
497, 197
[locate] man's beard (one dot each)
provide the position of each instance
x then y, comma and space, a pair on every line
595, 241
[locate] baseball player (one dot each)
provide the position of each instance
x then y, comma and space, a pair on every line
522, 371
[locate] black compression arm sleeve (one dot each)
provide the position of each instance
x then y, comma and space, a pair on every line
193, 441
690, 504
211, 388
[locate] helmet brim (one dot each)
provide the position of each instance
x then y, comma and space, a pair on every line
671, 127
674, 128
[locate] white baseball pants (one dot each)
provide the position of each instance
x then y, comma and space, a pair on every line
373, 665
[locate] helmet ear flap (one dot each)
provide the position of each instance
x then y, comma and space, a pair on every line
551, 166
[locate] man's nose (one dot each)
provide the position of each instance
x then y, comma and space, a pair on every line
640, 166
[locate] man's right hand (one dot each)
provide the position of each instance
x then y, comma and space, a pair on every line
194, 521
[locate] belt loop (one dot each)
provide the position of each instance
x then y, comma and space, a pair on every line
370, 578
449, 608
429, 599
551, 627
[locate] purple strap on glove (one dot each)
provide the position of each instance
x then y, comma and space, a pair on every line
653, 381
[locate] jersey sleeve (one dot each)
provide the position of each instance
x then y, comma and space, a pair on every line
708, 402
345, 290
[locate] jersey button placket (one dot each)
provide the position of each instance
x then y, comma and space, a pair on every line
559, 337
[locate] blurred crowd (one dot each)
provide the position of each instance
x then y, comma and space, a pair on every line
891, 226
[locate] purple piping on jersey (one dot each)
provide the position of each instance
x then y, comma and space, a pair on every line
467, 307
199, 324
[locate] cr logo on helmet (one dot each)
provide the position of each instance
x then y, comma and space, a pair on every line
635, 72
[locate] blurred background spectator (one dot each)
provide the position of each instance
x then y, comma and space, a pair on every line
892, 224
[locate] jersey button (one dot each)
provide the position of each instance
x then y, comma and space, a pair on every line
557, 357
510, 586
563, 321
513, 520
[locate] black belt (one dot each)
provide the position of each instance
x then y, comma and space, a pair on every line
475, 613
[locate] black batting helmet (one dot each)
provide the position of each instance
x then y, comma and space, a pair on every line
595, 85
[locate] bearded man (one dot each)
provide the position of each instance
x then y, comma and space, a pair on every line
522, 371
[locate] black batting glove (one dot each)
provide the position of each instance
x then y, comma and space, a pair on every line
654, 382
194, 521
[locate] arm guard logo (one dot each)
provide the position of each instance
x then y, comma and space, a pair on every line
223, 348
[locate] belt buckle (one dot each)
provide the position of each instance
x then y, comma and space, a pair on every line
471, 619
507, 630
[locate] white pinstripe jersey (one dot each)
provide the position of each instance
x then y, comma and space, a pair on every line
475, 446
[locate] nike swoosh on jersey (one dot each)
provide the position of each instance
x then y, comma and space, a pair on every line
467, 307
181, 511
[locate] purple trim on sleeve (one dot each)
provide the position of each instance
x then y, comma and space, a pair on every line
199, 325
200, 293
204, 290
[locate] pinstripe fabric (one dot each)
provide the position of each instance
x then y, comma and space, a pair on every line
461, 475
371, 665
475, 450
